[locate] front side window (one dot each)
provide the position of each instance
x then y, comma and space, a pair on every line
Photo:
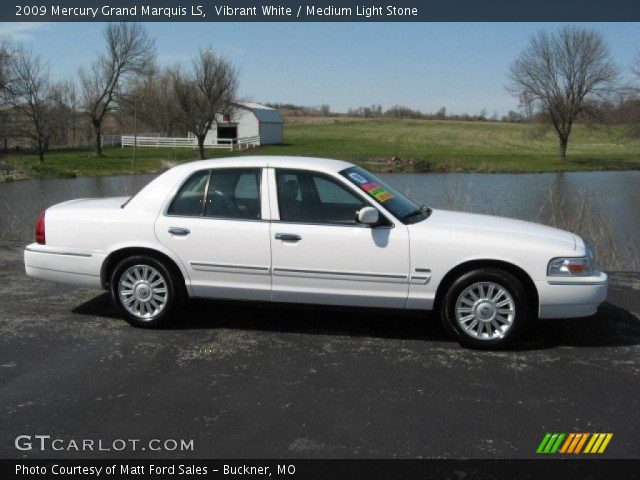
220, 193
310, 197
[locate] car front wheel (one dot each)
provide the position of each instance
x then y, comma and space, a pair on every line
485, 308
144, 290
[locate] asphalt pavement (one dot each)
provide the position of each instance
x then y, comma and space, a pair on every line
246, 380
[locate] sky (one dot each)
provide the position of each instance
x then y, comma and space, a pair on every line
425, 66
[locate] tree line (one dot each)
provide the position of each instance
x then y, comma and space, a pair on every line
560, 78
124, 77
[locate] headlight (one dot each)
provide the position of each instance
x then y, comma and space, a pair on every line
571, 267
574, 266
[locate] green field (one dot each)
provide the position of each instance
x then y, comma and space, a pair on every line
440, 146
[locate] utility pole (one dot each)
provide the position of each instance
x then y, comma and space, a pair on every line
135, 131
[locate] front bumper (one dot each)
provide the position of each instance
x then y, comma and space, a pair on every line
571, 297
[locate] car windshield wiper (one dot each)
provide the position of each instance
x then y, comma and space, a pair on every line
412, 214
423, 211
426, 211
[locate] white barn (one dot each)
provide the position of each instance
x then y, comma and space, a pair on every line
247, 121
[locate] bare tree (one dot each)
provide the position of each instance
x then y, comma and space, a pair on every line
4, 59
35, 103
130, 51
152, 100
63, 109
561, 74
66, 95
203, 93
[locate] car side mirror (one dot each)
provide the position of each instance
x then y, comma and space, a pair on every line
368, 216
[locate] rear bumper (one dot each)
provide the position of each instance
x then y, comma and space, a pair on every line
74, 267
571, 297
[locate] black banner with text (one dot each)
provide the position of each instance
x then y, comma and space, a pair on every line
322, 469
318, 11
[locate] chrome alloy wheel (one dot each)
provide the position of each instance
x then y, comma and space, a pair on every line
143, 291
485, 310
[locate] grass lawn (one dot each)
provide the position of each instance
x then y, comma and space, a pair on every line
431, 145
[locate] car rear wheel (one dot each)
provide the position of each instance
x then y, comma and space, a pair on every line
145, 291
485, 308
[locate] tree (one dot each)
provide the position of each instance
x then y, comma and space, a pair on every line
152, 100
4, 58
130, 52
513, 117
201, 94
441, 114
35, 103
561, 74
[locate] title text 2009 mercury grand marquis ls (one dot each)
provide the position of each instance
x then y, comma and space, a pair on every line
313, 231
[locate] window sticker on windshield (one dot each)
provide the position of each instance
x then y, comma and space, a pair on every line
377, 192
356, 177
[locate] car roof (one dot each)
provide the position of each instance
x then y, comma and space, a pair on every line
261, 161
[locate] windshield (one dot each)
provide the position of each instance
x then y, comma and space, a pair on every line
400, 206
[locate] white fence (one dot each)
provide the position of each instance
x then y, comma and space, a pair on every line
116, 140
190, 142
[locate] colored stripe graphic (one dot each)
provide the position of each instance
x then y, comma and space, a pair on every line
605, 443
574, 443
583, 439
543, 443
567, 443
550, 443
590, 444
556, 445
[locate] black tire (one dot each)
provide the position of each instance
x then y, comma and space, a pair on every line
469, 337
175, 292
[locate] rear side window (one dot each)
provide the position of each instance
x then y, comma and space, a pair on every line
189, 202
234, 193
220, 193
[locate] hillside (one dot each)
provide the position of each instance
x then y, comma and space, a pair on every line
415, 145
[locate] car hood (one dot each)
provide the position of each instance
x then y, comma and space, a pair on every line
488, 226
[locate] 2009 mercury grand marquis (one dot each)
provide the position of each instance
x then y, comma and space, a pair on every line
313, 231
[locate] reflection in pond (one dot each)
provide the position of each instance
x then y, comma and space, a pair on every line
602, 206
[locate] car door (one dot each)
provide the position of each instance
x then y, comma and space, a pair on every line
320, 254
216, 225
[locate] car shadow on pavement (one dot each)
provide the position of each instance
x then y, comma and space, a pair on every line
292, 318
612, 326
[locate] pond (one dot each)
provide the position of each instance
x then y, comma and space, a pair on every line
594, 204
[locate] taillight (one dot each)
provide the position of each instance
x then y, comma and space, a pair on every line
40, 236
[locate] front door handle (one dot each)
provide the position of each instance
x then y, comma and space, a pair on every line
288, 237
179, 231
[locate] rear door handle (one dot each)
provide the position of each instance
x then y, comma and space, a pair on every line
288, 237
179, 231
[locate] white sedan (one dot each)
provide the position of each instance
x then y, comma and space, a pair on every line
310, 230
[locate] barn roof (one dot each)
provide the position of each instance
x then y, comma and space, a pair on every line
262, 112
